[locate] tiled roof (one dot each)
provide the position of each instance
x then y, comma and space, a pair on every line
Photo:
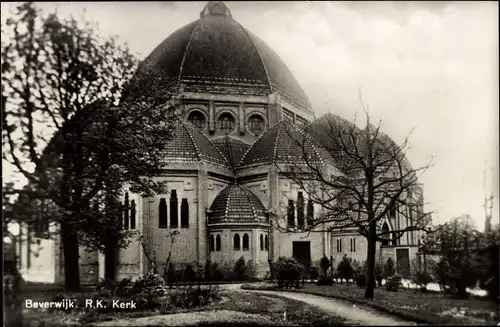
189, 144
326, 130
236, 203
285, 143
233, 149
216, 54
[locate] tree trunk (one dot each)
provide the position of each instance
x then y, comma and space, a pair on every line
370, 261
71, 257
110, 262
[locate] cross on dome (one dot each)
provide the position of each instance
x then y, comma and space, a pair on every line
215, 8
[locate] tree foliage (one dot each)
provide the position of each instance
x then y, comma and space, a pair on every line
71, 132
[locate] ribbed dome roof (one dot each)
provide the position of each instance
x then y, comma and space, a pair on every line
285, 143
329, 128
216, 54
233, 149
236, 203
189, 144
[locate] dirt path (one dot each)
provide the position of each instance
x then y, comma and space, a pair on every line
353, 313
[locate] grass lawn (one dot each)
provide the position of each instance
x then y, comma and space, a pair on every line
269, 308
424, 307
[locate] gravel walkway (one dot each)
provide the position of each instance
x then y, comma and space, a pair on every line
351, 312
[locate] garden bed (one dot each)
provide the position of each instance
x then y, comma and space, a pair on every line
408, 304
263, 310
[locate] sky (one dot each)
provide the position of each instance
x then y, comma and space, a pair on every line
430, 67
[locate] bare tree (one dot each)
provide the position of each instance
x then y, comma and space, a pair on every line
370, 181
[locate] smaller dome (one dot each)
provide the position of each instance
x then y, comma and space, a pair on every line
285, 143
236, 203
189, 144
233, 149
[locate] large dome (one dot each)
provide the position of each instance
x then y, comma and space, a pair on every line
215, 54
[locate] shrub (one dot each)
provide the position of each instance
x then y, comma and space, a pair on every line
325, 281
345, 270
361, 280
421, 279
191, 297
313, 273
239, 269
379, 274
393, 283
325, 265
287, 272
108, 287
189, 274
389, 269
148, 283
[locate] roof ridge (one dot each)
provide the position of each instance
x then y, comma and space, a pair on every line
313, 144
275, 150
253, 144
184, 124
258, 54
185, 52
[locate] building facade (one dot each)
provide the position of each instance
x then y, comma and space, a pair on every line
240, 108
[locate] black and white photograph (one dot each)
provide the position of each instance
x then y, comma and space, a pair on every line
253, 163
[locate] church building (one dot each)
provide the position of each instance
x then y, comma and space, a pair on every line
240, 107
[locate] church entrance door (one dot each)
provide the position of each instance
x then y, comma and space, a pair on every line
302, 252
403, 262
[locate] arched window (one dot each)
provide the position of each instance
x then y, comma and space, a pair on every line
246, 242
300, 210
126, 212
217, 243
162, 213
262, 242
184, 213
226, 123
236, 242
310, 213
256, 124
386, 236
174, 217
132, 214
266, 243
291, 213
197, 119
211, 243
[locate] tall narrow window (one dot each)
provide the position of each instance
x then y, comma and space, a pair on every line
174, 217
385, 234
353, 245
310, 213
266, 243
291, 214
262, 242
392, 210
162, 213
184, 213
339, 245
300, 210
132, 214
211, 243
217, 243
246, 242
120, 215
236, 242
126, 212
